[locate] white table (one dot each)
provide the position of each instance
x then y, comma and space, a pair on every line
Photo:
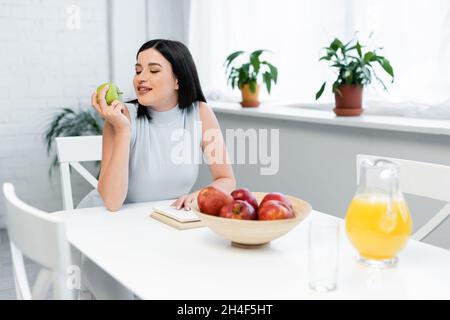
156, 261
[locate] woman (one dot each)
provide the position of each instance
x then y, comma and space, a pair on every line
138, 158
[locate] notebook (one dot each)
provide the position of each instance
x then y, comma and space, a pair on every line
179, 219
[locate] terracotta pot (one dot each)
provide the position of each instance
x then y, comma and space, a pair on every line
249, 98
350, 102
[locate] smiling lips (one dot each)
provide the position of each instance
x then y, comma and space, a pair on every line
143, 90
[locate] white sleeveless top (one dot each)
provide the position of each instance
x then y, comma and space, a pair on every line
165, 154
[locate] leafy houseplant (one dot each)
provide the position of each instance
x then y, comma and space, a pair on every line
69, 123
355, 70
246, 76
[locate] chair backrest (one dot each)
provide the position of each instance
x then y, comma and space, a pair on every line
421, 179
71, 151
42, 238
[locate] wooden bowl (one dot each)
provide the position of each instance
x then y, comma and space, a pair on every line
255, 233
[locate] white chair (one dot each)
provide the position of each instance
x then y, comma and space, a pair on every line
42, 238
71, 151
421, 179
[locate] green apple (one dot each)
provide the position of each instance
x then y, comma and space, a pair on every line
112, 94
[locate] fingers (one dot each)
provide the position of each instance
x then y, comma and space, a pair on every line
117, 107
101, 98
117, 104
188, 201
178, 204
94, 102
184, 202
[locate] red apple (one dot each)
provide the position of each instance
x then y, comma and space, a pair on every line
211, 199
277, 196
238, 209
245, 195
274, 210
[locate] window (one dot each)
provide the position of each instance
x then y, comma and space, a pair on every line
414, 34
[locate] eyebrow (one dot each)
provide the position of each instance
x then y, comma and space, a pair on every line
150, 64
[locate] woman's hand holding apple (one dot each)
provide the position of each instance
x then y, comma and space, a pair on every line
113, 113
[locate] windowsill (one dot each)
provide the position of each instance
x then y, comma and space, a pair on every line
297, 113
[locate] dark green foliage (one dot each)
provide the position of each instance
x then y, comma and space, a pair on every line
248, 72
353, 65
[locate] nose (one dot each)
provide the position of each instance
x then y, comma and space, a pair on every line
141, 78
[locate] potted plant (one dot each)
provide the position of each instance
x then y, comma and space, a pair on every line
68, 123
355, 70
246, 76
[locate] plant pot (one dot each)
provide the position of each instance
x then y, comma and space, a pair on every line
349, 103
249, 98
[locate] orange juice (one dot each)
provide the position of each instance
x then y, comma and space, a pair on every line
376, 234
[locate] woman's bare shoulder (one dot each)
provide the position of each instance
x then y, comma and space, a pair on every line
205, 111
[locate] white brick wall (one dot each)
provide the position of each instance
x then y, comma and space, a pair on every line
44, 66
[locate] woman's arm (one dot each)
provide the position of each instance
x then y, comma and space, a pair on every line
219, 166
113, 180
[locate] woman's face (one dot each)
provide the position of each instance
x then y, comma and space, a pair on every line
154, 81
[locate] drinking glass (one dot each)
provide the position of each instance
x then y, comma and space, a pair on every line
323, 254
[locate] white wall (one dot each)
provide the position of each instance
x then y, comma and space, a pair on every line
169, 21
128, 34
131, 28
44, 66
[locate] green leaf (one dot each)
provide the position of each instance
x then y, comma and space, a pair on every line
319, 93
358, 48
232, 56
366, 72
242, 78
385, 64
232, 81
254, 60
336, 85
273, 73
267, 78
338, 65
255, 63
244, 73
336, 44
255, 54
331, 52
369, 56
354, 58
252, 85
348, 76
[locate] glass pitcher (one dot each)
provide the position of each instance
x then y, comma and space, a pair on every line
378, 222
